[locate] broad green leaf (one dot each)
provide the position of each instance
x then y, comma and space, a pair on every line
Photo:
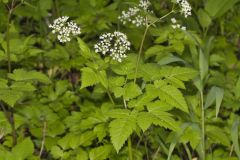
131, 90
82, 155
203, 65
217, 8
204, 18
219, 98
118, 113
170, 59
173, 96
86, 52
22, 75
23, 86
100, 131
23, 149
234, 136
217, 135
144, 120
100, 153
181, 73
215, 94
121, 129
89, 77
10, 96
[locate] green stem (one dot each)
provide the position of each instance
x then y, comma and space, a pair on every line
130, 148
10, 115
140, 52
188, 151
129, 138
203, 125
143, 39
110, 97
8, 42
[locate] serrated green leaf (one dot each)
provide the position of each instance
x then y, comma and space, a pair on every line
23, 149
131, 90
217, 135
10, 96
89, 77
173, 96
22, 75
121, 129
181, 73
23, 86
100, 131
144, 120
118, 113
100, 153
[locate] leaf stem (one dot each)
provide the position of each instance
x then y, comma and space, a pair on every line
110, 97
203, 125
130, 148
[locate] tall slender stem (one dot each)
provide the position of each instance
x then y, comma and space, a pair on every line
10, 115
143, 39
188, 151
129, 138
130, 148
203, 125
140, 52
8, 41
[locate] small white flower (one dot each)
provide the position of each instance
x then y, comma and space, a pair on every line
64, 29
176, 25
173, 20
134, 15
185, 7
115, 44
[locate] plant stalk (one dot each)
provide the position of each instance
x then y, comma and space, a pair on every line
143, 39
203, 125
10, 115
130, 148
129, 138
140, 52
8, 42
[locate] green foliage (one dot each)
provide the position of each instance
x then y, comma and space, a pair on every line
175, 96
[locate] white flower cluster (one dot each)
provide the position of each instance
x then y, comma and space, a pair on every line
185, 7
64, 29
176, 25
115, 44
134, 15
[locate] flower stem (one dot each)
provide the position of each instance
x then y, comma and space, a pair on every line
143, 39
140, 52
203, 126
